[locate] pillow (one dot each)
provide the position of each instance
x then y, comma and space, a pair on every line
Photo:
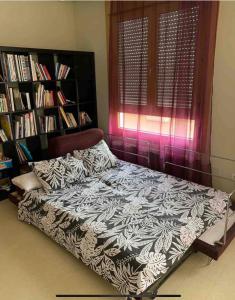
27, 182
59, 173
77, 167
97, 158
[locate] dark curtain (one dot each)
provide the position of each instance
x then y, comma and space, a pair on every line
160, 74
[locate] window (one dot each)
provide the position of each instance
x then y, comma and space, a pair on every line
176, 57
156, 125
160, 75
133, 59
153, 92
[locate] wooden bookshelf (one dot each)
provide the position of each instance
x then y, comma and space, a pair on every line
78, 87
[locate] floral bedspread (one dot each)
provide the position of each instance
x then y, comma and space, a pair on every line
129, 224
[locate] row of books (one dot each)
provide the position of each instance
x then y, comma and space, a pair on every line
61, 71
62, 99
23, 153
84, 118
48, 123
19, 100
25, 125
68, 118
3, 137
3, 103
39, 71
16, 67
22, 100
44, 98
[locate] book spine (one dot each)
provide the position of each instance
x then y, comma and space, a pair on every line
67, 72
27, 68
64, 117
17, 67
33, 71
47, 74
44, 77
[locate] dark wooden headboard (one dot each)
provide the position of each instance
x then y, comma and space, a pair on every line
61, 145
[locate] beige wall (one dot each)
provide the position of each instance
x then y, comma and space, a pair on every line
38, 24
223, 105
91, 36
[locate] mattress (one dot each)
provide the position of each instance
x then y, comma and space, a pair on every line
129, 224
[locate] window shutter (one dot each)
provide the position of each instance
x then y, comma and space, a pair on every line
177, 32
133, 61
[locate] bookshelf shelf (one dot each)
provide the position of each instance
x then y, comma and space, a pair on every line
69, 105
25, 138
21, 111
71, 128
65, 75
50, 132
47, 108
5, 113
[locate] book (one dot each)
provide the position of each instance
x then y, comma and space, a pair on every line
26, 151
72, 120
19, 100
84, 118
3, 137
21, 155
48, 123
16, 67
61, 71
33, 68
25, 125
11, 97
3, 103
25, 96
44, 98
39, 71
5, 124
46, 73
61, 98
64, 116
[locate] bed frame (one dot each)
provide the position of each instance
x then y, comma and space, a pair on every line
61, 145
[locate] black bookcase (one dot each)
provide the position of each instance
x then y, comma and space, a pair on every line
79, 87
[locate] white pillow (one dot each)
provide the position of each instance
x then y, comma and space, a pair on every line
27, 182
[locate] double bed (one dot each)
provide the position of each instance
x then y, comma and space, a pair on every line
129, 224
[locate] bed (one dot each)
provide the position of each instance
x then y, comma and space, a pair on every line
129, 224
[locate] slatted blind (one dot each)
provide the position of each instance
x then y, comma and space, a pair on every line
133, 61
176, 57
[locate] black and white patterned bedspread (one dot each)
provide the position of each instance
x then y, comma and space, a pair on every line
128, 224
